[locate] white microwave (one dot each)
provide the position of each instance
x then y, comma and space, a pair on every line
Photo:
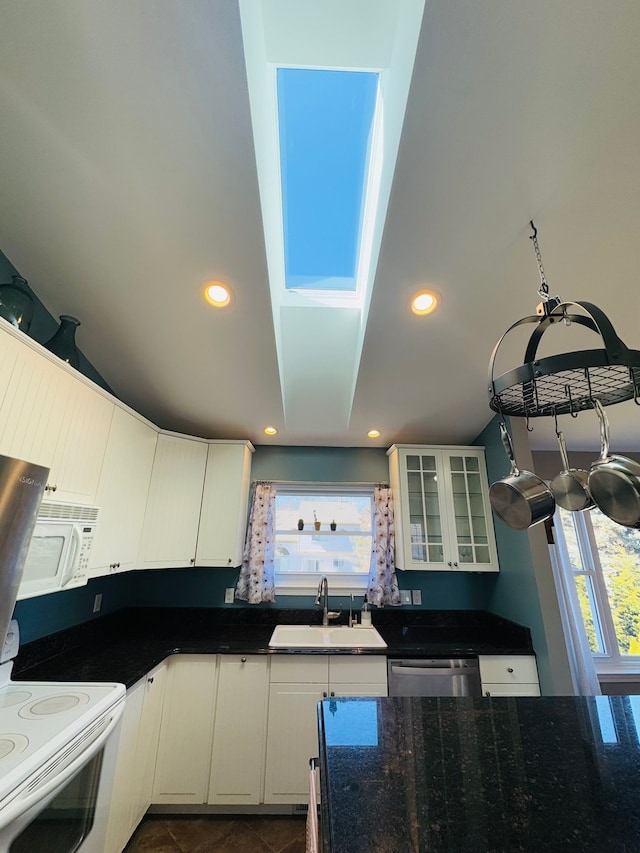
58, 555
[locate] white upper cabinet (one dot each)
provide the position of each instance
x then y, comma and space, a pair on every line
223, 516
170, 528
52, 417
442, 511
122, 493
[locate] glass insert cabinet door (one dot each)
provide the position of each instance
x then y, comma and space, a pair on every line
443, 517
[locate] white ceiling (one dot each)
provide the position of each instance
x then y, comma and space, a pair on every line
128, 179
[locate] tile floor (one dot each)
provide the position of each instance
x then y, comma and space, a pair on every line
219, 834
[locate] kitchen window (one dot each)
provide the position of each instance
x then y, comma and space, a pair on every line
604, 558
304, 556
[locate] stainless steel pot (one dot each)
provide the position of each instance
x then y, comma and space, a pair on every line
522, 499
614, 481
570, 487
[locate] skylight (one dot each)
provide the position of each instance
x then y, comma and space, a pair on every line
325, 121
328, 85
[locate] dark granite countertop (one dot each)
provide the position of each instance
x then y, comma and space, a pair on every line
498, 775
125, 645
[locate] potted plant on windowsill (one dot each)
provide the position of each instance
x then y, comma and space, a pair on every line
316, 523
300, 524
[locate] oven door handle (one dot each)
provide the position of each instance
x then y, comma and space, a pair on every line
25, 798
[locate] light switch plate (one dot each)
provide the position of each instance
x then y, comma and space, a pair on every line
416, 595
228, 595
405, 596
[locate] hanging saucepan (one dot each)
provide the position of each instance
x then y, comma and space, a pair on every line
614, 481
570, 487
521, 499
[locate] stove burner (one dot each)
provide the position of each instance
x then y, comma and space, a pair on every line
10, 743
52, 705
14, 697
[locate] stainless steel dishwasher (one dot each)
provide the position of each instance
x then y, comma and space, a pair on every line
434, 677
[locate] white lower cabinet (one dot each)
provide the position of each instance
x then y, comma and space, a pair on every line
188, 717
504, 675
296, 686
237, 758
212, 738
131, 795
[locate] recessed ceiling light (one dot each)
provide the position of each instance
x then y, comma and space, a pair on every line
424, 302
217, 294
374, 433
270, 430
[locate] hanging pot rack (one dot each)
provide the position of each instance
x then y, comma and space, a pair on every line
569, 382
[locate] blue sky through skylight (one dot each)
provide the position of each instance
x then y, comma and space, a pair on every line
325, 120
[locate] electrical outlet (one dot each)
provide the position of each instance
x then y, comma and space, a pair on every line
228, 595
97, 603
416, 596
405, 596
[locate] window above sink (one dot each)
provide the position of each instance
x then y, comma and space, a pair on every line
305, 554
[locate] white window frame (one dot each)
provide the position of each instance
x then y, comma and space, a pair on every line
306, 583
610, 664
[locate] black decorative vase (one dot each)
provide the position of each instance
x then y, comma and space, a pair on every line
63, 343
16, 303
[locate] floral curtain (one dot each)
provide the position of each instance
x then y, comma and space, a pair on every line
256, 581
383, 584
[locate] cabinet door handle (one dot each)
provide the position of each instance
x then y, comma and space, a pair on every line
192, 560
487, 693
243, 660
332, 693
49, 488
509, 669
324, 694
150, 680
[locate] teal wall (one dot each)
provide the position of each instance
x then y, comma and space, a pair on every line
44, 326
46, 614
514, 594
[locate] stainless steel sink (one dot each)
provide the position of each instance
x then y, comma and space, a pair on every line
329, 637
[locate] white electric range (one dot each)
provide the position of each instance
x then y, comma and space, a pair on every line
57, 755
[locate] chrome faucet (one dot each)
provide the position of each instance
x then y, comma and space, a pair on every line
323, 593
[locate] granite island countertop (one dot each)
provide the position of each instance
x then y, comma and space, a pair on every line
485, 775
125, 645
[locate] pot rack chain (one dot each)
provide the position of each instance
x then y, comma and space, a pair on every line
548, 302
543, 292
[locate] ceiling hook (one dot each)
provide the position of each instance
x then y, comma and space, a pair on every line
535, 230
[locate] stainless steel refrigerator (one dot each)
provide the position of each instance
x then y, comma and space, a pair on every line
21, 490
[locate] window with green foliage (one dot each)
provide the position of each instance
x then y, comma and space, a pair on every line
605, 561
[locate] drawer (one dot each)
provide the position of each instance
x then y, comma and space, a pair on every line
489, 689
504, 669
359, 670
291, 669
